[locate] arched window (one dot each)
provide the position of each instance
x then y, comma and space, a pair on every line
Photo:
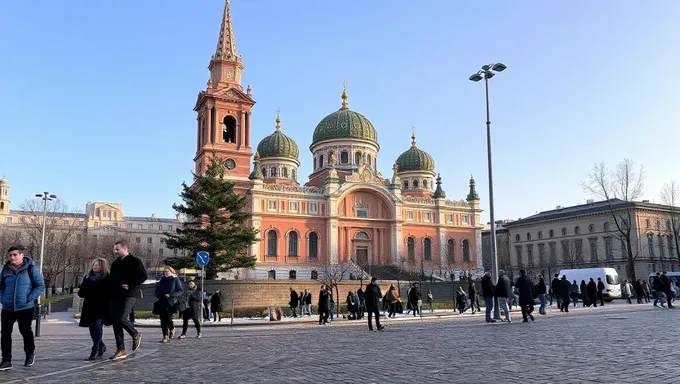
528, 236
591, 228
577, 230
540, 235
320, 161
229, 129
411, 248
264, 172
451, 251
369, 160
357, 158
405, 184
415, 184
647, 223
313, 245
273, 172
292, 243
361, 236
466, 250
424, 184
285, 172
272, 242
564, 231
271, 275
551, 233
427, 248
293, 174
344, 157
315, 163
517, 239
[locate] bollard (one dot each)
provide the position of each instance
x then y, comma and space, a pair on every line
232, 312
49, 308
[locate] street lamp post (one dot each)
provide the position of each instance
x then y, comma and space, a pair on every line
487, 72
45, 196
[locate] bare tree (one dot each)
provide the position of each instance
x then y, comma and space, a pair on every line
333, 274
670, 193
572, 253
620, 187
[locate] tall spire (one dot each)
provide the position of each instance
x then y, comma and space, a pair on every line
226, 45
472, 196
413, 135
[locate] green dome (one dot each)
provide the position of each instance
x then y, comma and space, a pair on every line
344, 124
415, 159
278, 145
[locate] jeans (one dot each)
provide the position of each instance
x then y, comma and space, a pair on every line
331, 310
24, 318
96, 333
206, 310
488, 303
374, 312
503, 305
544, 302
308, 308
120, 316
559, 302
189, 315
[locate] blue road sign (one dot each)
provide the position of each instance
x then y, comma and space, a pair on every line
202, 258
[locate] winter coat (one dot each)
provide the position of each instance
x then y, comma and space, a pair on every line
600, 286
16, 291
584, 290
555, 286
130, 271
414, 296
373, 296
472, 289
308, 298
97, 295
666, 284
541, 288
362, 297
573, 289
391, 296
526, 290
168, 286
592, 290
293, 302
193, 300
504, 287
565, 288
487, 286
217, 302
324, 298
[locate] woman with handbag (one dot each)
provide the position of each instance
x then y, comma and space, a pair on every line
95, 290
168, 293
191, 303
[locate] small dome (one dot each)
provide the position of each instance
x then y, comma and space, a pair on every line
344, 124
415, 159
278, 145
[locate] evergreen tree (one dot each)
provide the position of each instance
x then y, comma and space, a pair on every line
216, 222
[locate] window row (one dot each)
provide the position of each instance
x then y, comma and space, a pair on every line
321, 160
427, 249
279, 172
292, 275
417, 184
430, 217
565, 232
657, 225
293, 244
293, 206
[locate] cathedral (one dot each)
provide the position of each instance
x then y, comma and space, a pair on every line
347, 213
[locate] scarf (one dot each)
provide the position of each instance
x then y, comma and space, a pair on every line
94, 276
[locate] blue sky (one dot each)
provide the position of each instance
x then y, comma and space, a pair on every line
96, 97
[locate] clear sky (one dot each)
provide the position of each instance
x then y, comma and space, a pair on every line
96, 97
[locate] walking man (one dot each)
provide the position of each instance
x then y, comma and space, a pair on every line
600, 291
373, 296
20, 286
127, 275
488, 294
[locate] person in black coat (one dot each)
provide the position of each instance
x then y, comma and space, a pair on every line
564, 291
667, 288
217, 305
95, 313
414, 299
525, 288
541, 291
592, 292
308, 302
191, 301
168, 292
488, 294
503, 292
600, 291
362, 303
293, 302
324, 297
555, 287
373, 296
584, 293
472, 294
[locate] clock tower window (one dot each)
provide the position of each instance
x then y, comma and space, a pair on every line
229, 129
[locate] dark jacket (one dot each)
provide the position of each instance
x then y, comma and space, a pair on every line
657, 284
525, 288
217, 302
541, 288
362, 297
565, 289
130, 271
472, 289
323, 300
97, 295
592, 289
414, 296
308, 298
16, 291
488, 289
504, 287
555, 286
193, 300
168, 286
584, 290
666, 284
600, 286
373, 296
293, 299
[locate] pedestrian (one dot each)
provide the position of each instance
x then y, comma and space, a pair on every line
352, 306
488, 292
127, 275
293, 303
331, 303
462, 300
584, 294
592, 292
503, 291
472, 294
573, 293
168, 294
191, 301
217, 305
391, 299
206, 306
667, 285
555, 286
600, 291
20, 286
373, 296
627, 291
323, 305
430, 300
415, 300
303, 299
639, 291
95, 313
362, 303
565, 291
308, 302
541, 288
526, 295
647, 290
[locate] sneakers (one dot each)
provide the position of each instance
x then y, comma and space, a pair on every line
30, 360
165, 339
172, 334
136, 342
182, 336
120, 354
199, 335
5, 365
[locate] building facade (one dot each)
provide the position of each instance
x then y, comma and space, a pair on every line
502, 246
592, 235
347, 211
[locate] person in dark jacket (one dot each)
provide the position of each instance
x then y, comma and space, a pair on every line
127, 275
555, 286
584, 294
324, 297
592, 292
488, 294
362, 303
472, 293
639, 291
541, 290
600, 291
414, 299
18, 292
293, 302
503, 292
373, 296
308, 302
95, 312
526, 295
667, 288
217, 305
191, 299
168, 292
564, 291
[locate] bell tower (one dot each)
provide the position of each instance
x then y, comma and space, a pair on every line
4, 196
223, 109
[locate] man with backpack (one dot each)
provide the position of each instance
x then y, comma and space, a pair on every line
20, 286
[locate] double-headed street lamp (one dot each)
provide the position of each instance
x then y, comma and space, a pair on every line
45, 196
488, 71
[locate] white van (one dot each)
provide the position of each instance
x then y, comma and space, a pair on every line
609, 276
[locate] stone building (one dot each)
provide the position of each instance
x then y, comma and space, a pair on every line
590, 235
502, 246
347, 212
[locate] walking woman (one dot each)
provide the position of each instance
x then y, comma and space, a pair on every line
95, 289
192, 299
217, 305
168, 293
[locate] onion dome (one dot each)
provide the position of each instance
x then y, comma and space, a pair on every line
415, 159
278, 145
344, 124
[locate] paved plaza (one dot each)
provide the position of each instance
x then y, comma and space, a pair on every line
617, 344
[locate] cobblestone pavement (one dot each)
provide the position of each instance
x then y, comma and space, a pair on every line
617, 344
